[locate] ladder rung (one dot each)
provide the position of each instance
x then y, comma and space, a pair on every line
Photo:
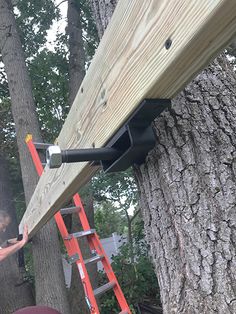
42, 145
83, 233
93, 259
70, 210
104, 288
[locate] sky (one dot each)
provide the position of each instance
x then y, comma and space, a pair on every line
57, 25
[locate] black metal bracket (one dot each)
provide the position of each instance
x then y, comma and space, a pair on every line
128, 146
136, 138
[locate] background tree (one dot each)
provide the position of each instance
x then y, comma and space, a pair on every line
187, 191
50, 287
16, 292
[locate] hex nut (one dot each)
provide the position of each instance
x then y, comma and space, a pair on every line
54, 156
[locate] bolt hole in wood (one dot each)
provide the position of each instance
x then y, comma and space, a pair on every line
168, 43
104, 104
82, 90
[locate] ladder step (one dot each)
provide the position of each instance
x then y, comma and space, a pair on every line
83, 233
70, 210
42, 145
104, 288
93, 259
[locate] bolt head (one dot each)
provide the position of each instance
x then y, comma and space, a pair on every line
54, 157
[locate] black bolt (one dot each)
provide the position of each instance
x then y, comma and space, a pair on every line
168, 43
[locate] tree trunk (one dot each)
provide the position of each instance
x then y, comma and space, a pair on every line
15, 293
102, 12
49, 277
76, 75
188, 195
130, 236
76, 49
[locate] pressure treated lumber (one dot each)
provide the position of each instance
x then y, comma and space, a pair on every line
132, 63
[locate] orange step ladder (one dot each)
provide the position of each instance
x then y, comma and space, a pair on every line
72, 245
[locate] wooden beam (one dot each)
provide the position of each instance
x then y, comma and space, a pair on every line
132, 63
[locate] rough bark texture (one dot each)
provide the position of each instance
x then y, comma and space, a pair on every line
49, 277
188, 194
76, 48
15, 293
102, 12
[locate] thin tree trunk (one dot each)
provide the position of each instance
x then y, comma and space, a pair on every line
188, 194
130, 236
76, 49
15, 293
49, 277
76, 75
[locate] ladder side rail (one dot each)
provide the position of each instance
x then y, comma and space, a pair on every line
95, 243
82, 214
34, 154
73, 248
110, 274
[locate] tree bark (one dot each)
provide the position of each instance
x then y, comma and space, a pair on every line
76, 49
49, 277
188, 195
15, 293
102, 12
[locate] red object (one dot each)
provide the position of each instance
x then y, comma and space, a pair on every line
37, 310
72, 246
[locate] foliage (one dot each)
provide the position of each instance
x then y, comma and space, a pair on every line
108, 220
34, 19
138, 281
119, 188
49, 72
90, 35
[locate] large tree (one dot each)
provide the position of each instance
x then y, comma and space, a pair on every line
188, 192
50, 285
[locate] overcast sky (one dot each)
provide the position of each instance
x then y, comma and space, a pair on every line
58, 25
